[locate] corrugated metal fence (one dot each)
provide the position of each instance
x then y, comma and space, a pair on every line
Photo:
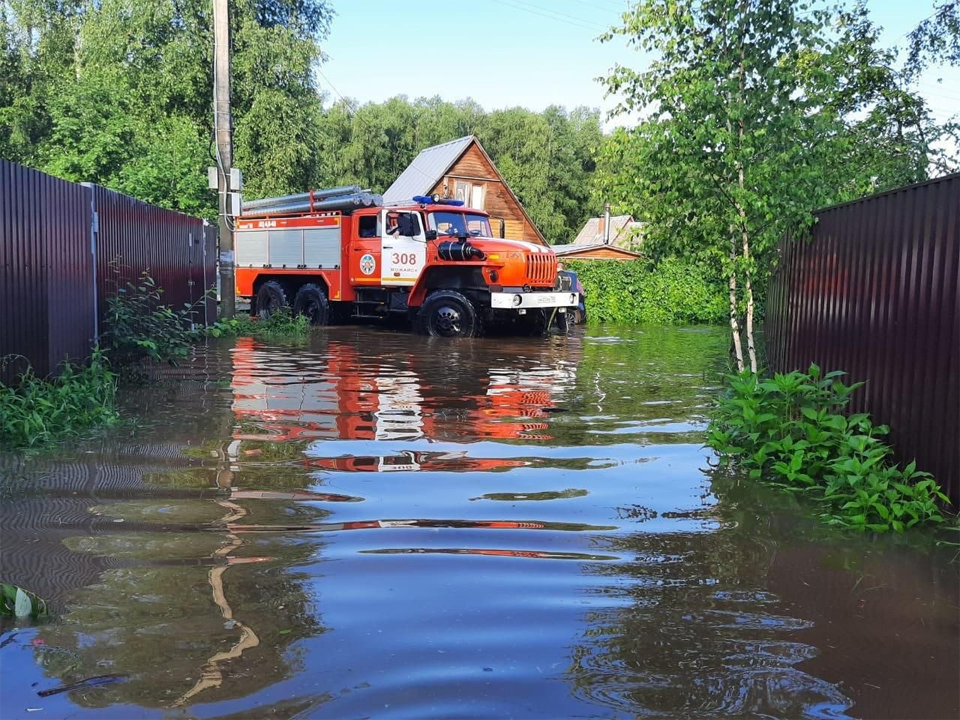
876, 292
58, 241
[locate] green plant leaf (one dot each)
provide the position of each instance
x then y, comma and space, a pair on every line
23, 605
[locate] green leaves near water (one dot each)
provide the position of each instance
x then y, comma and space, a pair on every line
19, 603
38, 410
139, 326
282, 325
790, 430
675, 291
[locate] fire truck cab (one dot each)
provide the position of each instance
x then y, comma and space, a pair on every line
432, 260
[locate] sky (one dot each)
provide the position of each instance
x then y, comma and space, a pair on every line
529, 53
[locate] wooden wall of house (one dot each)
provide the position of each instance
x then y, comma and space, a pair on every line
474, 169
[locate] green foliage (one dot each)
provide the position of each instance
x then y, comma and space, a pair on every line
759, 113
138, 326
546, 158
671, 292
754, 115
19, 603
37, 411
935, 39
790, 430
118, 92
282, 325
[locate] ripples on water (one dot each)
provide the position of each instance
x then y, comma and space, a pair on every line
382, 525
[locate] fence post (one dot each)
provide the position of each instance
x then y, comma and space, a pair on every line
94, 230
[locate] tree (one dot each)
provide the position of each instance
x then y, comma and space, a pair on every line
547, 158
757, 112
936, 39
118, 92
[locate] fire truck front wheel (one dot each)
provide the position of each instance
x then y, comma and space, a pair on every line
312, 301
447, 313
270, 297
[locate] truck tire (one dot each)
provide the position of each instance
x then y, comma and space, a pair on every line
311, 300
447, 313
270, 297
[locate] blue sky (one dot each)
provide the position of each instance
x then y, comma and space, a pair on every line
531, 53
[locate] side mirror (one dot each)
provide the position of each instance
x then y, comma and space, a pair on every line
408, 225
431, 234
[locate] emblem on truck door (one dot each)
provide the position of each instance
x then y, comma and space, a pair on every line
368, 264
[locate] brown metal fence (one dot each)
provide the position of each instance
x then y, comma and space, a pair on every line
876, 292
177, 250
57, 241
46, 294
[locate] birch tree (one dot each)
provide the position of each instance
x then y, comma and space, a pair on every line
755, 113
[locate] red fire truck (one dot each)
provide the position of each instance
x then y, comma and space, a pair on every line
339, 254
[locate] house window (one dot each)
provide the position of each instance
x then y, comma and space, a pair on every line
470, 195
461, 192
476, 199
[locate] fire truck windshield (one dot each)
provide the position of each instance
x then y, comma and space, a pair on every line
454, 223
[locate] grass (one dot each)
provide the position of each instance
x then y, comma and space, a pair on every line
791, 431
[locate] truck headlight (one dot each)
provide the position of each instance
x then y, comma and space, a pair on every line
517, 299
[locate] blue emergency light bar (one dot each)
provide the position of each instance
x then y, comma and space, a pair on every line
436, 200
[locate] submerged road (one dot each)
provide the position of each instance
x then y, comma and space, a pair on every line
382, 525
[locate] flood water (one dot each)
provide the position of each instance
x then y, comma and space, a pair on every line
380, 525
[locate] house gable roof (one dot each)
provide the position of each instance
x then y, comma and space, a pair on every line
429, 167
426, 170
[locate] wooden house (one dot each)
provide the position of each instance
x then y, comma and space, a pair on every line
461, 169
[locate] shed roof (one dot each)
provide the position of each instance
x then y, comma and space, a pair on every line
426, 170
620, 232
583, 248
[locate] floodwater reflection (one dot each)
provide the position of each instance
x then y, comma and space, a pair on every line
383, 525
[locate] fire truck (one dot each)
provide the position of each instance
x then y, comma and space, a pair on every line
339, 254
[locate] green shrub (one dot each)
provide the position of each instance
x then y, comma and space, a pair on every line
137, 326
38, 410
671, 292
281, 325
790, 430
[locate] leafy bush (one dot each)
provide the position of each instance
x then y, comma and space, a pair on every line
138, 326
789, 430
671, 292
38, 410
281, 325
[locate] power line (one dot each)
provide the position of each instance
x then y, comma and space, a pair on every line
554, 12
572, 23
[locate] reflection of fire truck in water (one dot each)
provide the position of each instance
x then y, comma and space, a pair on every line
352, 398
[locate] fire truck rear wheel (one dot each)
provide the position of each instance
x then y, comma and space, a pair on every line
270, 297
447, 313
312, 301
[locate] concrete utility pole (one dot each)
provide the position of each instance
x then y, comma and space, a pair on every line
223, 126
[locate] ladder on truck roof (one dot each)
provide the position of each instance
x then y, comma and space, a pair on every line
345, 199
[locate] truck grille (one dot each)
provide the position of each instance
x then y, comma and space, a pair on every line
541, 268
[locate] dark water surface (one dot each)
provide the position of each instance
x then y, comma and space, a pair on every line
384, 526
